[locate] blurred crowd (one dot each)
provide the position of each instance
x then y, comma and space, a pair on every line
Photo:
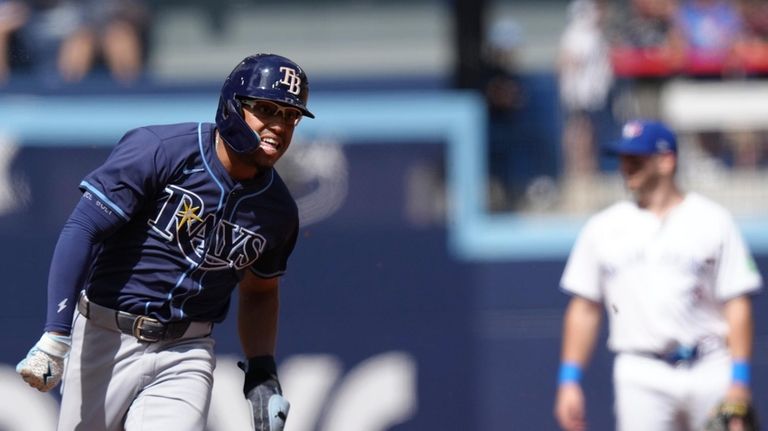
698, 38
702, 40
63, 41
615, 57
643, 45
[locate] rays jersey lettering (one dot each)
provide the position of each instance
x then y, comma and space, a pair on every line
291, 79
210, 244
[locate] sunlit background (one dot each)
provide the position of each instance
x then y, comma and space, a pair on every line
455, 154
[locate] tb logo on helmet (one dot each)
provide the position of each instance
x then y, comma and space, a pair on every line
291, 79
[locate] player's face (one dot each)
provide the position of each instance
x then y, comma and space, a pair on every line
641, 173
275, 124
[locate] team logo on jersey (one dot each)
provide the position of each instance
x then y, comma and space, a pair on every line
203, 240
187, 215
291, 79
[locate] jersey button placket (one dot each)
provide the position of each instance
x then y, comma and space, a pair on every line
232, 197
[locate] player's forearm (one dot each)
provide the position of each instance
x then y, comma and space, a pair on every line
580, 329
84, 229
738, 314
257, 322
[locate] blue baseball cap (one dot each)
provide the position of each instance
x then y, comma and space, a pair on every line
645, 138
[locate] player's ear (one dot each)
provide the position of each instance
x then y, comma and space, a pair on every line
668, 163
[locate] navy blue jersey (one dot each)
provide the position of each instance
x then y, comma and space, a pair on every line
189, 230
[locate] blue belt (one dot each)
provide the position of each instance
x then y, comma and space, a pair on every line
680, 355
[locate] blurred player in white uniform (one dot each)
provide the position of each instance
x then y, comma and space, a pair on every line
674, 275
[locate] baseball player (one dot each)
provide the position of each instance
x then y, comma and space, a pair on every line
174, 220
674, 276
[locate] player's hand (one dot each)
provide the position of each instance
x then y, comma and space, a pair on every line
265, 396
733, 415
569, 407
44, 364
738, 393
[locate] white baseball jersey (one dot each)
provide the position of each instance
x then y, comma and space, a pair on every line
663, 281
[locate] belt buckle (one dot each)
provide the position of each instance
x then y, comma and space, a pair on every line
684, 355
138, 329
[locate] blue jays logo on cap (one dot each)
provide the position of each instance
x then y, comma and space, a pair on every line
645, 137
632, 129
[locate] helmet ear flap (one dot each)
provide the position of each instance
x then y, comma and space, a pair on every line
233, 129
233, 108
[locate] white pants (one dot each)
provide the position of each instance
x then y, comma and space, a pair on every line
654, 395
114, 382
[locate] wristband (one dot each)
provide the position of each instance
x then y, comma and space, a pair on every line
570, 372
264, 364
740, 371
54, 345
258, 370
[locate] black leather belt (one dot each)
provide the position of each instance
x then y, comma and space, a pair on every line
144, 328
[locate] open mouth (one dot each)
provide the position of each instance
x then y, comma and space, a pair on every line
270, 143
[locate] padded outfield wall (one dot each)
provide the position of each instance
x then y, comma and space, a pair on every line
406, 307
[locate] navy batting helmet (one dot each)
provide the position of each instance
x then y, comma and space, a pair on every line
264, 77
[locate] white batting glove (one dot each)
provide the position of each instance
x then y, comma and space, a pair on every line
44, 364
269, 408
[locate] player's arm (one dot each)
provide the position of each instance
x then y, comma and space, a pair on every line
580, 329
738, 315
737, 278
736, 410
258, 306
581, 325
86, 227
